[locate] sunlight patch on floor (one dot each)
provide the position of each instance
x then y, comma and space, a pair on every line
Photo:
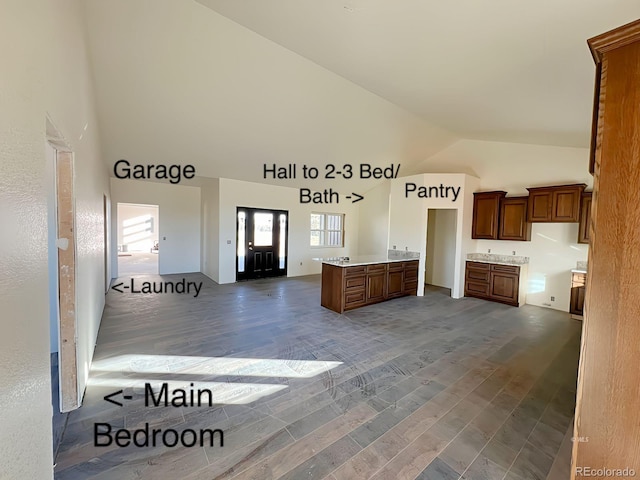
187, 365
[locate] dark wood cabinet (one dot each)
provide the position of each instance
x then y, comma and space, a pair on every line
486, 213
539, 206
348, 287
555, 204
504, 287
513, 219
376, 283
496, 282
585, 218
578, 291
395, 282
410, 279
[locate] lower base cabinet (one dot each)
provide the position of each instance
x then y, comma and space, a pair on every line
496, 282
349, 287
578, 291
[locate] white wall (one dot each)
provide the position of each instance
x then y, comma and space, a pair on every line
210, 242
235, 193
179, 229
408, 220
45, 70
128, 212
441, 248
553, 250
373, 219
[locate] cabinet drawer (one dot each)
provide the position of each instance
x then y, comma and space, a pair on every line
505, 269
411, 271
477, 275
354, 282
476, 289
578, 279
376, 268
395, 266
359, 270
478, 266
354, 298
410, 288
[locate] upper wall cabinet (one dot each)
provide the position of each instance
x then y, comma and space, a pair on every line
513, 224
555, 204
585, 218
486, 213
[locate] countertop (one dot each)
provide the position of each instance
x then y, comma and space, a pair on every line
362, 260
498, 259
578, 270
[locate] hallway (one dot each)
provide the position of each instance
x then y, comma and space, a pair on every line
418, 387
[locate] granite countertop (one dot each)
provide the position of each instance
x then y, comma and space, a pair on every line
361, 260
498, 259
581, 267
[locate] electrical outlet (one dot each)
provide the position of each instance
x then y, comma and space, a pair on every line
488, 250
394, 247
514, 252
553, 299
300, 263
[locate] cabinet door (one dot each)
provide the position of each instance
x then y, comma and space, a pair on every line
585, 218
577, 300
395, 283
376, 291
539, 206
486, 211
566, 205
504, 287
513, 219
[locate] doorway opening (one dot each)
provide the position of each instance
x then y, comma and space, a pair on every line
138, 239
105, 217
261, 238
439, 274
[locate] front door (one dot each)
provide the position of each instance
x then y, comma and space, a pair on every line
262, 243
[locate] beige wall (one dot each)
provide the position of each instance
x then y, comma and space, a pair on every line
210, 241
44, 70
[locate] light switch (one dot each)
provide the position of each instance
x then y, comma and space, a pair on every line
228, 242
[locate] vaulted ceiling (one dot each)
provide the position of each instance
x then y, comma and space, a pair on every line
228, 85
494, 69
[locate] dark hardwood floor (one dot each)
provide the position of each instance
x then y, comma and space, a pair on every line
414, 388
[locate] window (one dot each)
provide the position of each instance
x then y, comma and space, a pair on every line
327, 230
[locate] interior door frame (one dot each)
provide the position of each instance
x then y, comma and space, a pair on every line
278, 272
65, 229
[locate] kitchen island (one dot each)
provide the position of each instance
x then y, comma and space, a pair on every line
360, 281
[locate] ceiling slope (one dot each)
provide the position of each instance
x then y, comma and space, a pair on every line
503, 70
178, 83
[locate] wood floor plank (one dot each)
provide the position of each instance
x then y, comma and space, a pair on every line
409, 378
